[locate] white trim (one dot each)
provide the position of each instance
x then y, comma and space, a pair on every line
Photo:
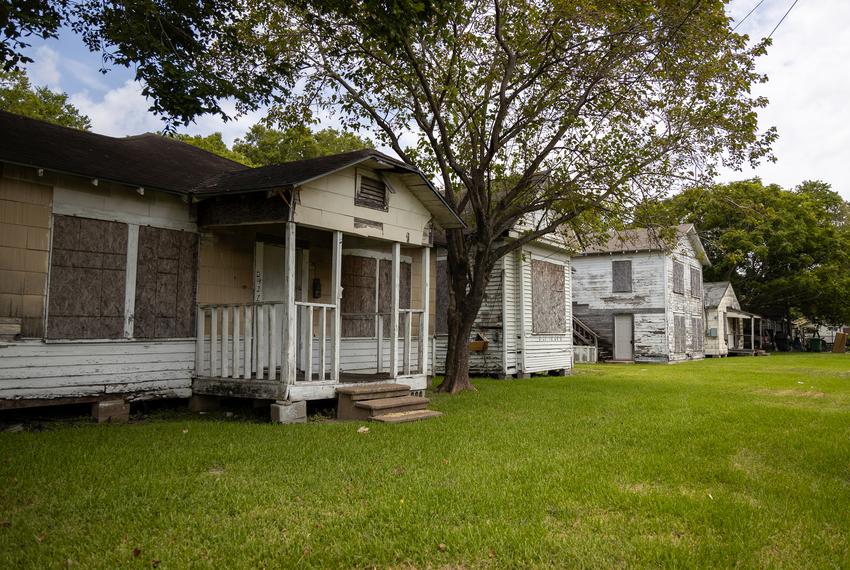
71, 209
396, 274
376, 254
131, 269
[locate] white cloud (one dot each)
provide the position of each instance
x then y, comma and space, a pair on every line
44, 70
807, 88
118, 112
85, 75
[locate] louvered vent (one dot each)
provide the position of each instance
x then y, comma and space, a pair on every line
372, 193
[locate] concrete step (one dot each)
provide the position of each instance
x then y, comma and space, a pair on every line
408, 416
373, 391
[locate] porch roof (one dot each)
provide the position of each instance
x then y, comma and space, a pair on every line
738, 314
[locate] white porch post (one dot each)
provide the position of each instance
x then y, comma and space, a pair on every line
423, 321
396, 270
336, 300
290, 320
753, 334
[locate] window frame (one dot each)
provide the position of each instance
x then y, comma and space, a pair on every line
678, 284
621, 263
534, 324
368, 203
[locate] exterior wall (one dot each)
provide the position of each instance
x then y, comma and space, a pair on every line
542, 352
328, 203
715, 318
35, 369
595, 303
226, 268
684, 304
25, 206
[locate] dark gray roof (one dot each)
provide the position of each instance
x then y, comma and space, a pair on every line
158, 162
646, 239
713, 293
148, 160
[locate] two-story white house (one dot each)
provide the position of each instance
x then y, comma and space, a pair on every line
642, 293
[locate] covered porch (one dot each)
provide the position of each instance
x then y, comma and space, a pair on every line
328, 310
744, 333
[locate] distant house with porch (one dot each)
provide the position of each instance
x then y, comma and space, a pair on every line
142, 267
642, 295
729, 329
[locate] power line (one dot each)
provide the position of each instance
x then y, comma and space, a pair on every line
783, 18
748, 15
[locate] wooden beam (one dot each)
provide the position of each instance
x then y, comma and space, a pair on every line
130, 279
394, 280
290, 320
423, 321
336, 299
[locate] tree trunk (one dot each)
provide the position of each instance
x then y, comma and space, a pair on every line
468, 280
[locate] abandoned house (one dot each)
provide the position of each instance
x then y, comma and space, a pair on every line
642, 295
142, 267
729, 329
524, 325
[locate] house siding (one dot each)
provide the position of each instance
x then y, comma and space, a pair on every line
684, 304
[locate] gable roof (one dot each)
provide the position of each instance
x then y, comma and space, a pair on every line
158, 162
714, 292
647, 239
149, 160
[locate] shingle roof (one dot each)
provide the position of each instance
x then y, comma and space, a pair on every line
147, 160
646, 239
158, 162
713, 292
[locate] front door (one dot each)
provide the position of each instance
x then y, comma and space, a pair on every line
623, 330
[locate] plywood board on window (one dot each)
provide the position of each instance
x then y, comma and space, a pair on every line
548, 297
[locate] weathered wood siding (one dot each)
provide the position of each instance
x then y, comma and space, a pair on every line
134, 369
685, 304
328, 203
595, 302
25, 207
542, 352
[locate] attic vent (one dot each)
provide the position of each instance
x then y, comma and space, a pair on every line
371, 193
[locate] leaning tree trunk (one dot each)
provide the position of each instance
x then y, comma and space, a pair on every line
466, 294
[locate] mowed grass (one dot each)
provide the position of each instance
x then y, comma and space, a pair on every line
734, 462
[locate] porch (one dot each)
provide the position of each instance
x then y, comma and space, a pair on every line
744, 333
329, 310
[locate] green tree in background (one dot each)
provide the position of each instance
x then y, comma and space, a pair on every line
263, 145
215, 144
786, 252
19, 96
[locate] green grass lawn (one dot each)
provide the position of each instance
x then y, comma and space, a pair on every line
733, 462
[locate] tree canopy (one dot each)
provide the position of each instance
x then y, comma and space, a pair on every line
215, 144
19, 96
786, 252
263, 145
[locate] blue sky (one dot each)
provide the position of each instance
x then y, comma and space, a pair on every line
809, 90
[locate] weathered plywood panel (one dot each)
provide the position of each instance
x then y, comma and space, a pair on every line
87, 278
548, 298
358, 296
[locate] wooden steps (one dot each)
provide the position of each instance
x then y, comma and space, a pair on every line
389, 403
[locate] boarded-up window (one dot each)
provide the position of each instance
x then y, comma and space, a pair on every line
441, 308
371, 193
365, 292
87, 273
696, 282
548, 297
678, 277
698, 335
679, 334
358, 295
165, 284
622, 276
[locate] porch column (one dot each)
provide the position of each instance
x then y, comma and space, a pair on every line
753, 334
290, 314
396, 270
336, 300
423, 321
761, 334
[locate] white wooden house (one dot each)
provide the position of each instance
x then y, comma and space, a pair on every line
729, 329
643, 296
142, 267
524, 325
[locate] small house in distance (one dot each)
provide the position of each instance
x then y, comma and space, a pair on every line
642, 295
729, 330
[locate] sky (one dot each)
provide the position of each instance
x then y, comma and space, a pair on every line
808, 91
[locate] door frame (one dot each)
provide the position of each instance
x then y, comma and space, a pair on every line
631, 358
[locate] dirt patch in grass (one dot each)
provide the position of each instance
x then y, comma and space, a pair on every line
790, 392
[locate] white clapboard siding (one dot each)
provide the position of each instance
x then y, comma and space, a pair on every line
683, 304
137, 369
